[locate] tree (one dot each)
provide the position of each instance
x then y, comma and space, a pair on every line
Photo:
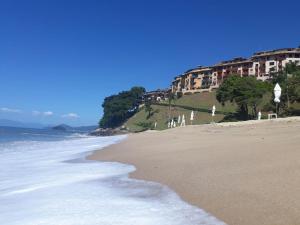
246, 92
288, 79
294, 88
171, 98
118, 108
148, 109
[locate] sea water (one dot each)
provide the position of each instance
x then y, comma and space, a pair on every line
45, 180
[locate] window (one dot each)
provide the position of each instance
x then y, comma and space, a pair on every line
272, 63
194, 75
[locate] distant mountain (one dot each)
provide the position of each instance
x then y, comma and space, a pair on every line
63, 127
13, 123
60, 127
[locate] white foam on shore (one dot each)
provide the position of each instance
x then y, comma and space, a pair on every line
40, 186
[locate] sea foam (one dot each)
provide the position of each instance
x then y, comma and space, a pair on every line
43, 183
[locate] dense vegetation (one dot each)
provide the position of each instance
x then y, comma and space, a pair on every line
289, 80
118, 108
246, 92
162, 112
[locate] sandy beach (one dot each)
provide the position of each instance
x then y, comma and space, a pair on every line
245, 173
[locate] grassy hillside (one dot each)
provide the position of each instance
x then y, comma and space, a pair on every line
200, 103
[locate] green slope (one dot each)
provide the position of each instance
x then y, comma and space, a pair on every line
200, 103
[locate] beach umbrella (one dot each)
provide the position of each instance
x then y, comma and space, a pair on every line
169, 124
213, 111
183, 121
277, 93
179, 119
192, 117
172, 123
259, 115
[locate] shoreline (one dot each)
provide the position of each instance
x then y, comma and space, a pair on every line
242, 173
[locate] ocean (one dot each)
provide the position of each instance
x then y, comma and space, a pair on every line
45, 180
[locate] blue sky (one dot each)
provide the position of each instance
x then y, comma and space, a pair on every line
60, 58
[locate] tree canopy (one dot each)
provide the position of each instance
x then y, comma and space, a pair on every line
246, 92
118, 108
289, 80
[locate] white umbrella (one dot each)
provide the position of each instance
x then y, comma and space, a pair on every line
183, 121
169, 124
259, 115
213, 111
277, 93
192, 117
179, 119
172, 123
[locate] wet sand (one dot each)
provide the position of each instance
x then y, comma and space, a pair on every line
245, 173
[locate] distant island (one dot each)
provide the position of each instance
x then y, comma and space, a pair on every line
62, 127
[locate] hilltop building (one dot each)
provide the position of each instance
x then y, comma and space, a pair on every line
260, 64
157, 95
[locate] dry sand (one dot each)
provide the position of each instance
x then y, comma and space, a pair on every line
243, 173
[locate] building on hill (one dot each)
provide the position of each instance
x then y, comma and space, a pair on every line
239, 66
264, 63
260, 64
157, 95
195, 80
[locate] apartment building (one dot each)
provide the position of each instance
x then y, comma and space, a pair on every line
195, 80
260, 64
157, 95
264, 63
